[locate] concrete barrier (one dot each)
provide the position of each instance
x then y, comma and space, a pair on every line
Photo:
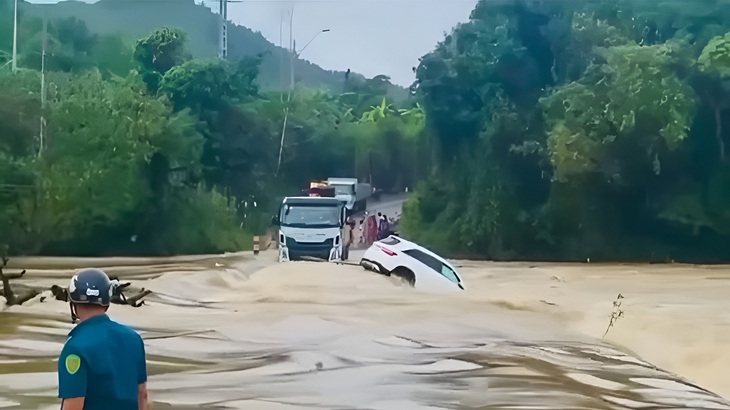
263, 242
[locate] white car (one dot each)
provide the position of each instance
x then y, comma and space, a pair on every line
416, 265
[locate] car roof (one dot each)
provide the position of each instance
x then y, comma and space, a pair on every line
404, 244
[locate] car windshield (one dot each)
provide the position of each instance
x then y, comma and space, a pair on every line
301, 216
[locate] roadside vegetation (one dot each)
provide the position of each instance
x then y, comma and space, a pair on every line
569, 130
140, 149
556, 130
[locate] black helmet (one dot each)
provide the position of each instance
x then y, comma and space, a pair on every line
90, 286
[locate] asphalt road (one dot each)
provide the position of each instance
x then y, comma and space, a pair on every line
389, 204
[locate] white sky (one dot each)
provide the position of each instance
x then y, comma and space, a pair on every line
370, 37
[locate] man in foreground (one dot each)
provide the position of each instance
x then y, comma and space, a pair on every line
102, 365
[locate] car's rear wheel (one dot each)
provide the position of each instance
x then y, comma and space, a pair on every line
405, 274
372, 266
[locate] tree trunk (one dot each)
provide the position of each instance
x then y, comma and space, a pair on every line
718, 132
7, 290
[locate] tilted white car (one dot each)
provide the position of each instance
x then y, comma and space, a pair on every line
416, 265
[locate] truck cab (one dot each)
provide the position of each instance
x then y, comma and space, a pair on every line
310, 227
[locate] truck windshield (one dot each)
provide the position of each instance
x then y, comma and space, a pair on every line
311, 216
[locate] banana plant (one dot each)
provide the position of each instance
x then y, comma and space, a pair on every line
412, 115
378, 113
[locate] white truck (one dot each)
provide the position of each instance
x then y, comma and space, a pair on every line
352, 193
310, 227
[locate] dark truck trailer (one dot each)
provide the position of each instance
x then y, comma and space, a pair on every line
352, 193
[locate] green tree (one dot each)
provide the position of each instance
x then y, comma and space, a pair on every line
573, 130
158, 53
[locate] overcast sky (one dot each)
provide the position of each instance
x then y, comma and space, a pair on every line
368, 36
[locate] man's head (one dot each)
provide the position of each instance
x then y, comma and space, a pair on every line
379, 214
89, 294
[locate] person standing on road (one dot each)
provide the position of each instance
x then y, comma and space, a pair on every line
385, 226
102, 365
347, 234
362, 232
380, 226
372, 230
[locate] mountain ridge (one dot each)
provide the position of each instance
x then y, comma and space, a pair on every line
202, 27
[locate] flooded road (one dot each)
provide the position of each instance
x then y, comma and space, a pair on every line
242, 332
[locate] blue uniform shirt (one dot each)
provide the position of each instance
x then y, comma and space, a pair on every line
103, 361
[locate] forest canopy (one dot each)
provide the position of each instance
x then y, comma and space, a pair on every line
535, 130
579, 129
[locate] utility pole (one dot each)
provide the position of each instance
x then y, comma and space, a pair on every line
15, 38
43, 87
223, 12
281, 56
293, 54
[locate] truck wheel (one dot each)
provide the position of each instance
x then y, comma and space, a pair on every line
404, 274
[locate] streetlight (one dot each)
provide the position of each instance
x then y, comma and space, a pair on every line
295, 54
310, 41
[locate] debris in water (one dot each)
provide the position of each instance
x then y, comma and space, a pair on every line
10, 297
60, 293
615, 314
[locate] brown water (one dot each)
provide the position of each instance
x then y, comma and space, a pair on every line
246, 333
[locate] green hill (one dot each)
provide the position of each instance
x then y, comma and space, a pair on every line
133, 19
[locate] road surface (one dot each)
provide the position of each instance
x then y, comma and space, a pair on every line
390, 205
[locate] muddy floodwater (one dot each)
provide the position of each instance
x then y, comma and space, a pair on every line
243, 332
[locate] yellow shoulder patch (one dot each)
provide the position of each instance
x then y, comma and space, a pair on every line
73, 363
